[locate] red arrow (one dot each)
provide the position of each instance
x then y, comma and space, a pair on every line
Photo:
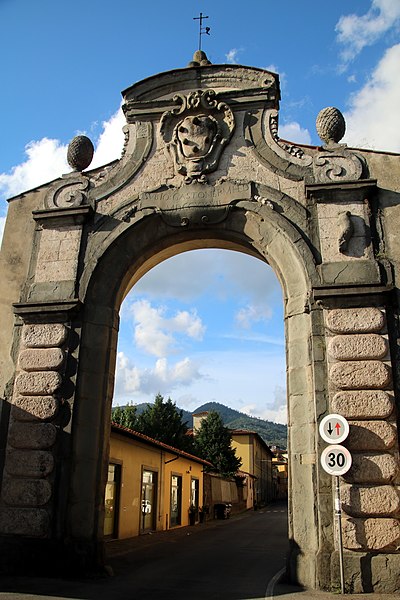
337, 427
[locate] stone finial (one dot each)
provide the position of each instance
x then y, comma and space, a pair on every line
199, 59
80, 153
331, 125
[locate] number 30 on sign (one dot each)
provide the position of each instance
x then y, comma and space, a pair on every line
336, 460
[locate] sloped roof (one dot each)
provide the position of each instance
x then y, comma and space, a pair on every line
141, 437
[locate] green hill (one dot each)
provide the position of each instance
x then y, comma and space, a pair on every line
274, 434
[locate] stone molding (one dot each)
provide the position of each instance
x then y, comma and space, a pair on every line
281, 157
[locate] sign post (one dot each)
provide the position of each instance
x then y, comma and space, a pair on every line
336, 460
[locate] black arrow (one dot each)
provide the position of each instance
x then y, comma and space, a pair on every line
330, 430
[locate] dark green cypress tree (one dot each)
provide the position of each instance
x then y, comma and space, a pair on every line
213, 443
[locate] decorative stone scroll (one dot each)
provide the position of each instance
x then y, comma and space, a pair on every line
361, 390
196, 133
70, 192
337, 163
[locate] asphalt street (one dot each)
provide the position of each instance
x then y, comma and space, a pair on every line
234, 559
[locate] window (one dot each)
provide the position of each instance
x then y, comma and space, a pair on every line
111, 500
176, 500
149, 501
194, 493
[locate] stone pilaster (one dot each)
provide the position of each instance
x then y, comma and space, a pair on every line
360, 389
27, 491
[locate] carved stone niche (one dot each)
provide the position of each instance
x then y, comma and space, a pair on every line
196, 132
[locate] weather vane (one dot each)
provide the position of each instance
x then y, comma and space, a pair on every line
202, 30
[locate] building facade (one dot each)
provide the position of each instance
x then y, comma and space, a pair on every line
151, 486
256, 458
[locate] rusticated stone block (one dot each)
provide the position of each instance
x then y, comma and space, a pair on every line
363, 404
29, 463
361, 374
44, 335
355, 320
26, 492
370, 534
377, 500
372, 467
357, 347
38, 383
33, 408
371, 435
41, 359
30, 522
37, 436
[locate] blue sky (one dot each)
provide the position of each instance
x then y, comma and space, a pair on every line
63, 65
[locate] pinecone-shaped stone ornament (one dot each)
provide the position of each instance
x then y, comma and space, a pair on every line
331, 125
80, 153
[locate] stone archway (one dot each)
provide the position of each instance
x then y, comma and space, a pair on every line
202, 167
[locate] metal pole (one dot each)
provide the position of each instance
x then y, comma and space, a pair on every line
201, 23
338, 514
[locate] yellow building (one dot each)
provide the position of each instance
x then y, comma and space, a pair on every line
256, 458
151, 486
280, 463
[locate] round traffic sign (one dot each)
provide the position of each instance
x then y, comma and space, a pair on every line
334, 429
336, 460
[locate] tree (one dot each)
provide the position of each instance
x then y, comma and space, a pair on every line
163, 421
125, 416
213, 443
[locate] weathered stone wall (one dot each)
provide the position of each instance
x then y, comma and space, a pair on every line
27, 488
326, 219
360, 382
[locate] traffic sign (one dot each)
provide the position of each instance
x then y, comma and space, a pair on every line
334, 429
336, 460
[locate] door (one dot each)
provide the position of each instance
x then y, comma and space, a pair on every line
111, 500
176, 500
149, 501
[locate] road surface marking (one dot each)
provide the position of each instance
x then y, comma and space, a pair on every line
269, 594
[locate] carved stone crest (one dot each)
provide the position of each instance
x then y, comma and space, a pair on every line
196, 132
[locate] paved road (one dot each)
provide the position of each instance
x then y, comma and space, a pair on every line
223, 560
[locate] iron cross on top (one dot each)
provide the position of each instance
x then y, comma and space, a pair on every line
202, 30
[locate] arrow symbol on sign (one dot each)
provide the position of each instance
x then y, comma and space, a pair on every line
337, 427
330, 430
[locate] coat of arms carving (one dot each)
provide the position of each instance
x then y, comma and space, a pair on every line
196, 132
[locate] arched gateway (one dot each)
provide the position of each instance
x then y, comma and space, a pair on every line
203, 166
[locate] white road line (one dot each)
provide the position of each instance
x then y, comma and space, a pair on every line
269, 594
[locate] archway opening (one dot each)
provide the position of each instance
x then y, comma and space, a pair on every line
205, 329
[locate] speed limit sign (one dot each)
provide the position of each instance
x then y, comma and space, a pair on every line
336, 460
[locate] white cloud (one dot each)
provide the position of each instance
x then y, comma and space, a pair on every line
294, 133
47, 158
357, 32
162, 378
213, 272
373, 109
2, 224
46, 161
156, 334
247, 316
276, 411
111, 140
232, 56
